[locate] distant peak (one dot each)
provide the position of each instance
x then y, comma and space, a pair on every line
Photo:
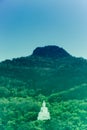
50, 52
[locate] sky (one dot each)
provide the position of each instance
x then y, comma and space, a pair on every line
27, 24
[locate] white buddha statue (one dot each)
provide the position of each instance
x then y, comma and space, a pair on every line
44, 113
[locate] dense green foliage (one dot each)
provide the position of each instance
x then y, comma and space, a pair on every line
20, 112
30, 72
25, 82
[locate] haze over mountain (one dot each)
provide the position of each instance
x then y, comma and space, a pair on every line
25, 25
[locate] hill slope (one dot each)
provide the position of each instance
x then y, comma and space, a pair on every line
46, 72
60, 79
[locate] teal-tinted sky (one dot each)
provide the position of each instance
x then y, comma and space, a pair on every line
26, 24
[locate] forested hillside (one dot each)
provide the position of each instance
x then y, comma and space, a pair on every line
49, 74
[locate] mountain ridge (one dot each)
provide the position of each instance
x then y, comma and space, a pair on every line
50, 52
44, 73
26, 81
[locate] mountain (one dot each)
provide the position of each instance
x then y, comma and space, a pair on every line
49, 74
49, 69
50, 52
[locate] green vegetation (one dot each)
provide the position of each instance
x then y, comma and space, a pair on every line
20, 112
25, 82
